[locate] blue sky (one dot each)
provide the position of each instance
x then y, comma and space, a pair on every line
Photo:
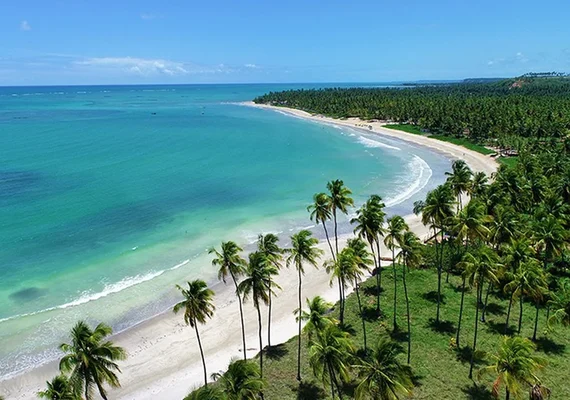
52, 42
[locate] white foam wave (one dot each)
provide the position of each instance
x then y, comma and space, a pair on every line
420, 180
374, 143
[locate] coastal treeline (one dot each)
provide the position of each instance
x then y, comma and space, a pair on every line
527, 107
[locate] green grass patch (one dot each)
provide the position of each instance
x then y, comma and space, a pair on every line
508, 161
440, 369
416, 130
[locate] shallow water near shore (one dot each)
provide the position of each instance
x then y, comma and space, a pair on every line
111, 195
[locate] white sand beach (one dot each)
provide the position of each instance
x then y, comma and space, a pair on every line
163, 358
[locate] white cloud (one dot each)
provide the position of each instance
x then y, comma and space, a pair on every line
252, 66
25, 26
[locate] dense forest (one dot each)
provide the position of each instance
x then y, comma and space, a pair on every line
530, 107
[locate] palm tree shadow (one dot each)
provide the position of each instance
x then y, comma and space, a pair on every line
372, 290
276, 352
463, 354
499, 328
399, 335
309, 391
432, 297
475, 392
548, 346
444, 327
370, 314
495, 309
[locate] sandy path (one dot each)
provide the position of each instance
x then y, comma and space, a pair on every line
164, 361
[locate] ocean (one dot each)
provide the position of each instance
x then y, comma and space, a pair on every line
110, 195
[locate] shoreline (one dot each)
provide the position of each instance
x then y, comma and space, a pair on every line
163, 357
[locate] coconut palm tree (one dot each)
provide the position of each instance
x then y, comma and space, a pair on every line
316, 318
376, 207
479, 185
410, 256
267, 245
257, 285
329, 356
321, 212
340, 200
381, 375
90, 359
394, 232
241, 381
459, 179
206, 393
303, 250
550, 238
229, 262
58, 389
197, 306
560, 304
479, 266
341, 270
514, 366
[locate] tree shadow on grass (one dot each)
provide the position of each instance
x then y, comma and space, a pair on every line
499, 328
548, 346
370, 314
459, 288
432, 297
495, 309
276, 352
399, 335
309, 391
446, 327
463, 354
371, 290
477, 392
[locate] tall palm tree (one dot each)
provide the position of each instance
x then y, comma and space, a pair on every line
90, 359
257, 285
381, 375
550, 238
560, 303
479, 185
303, 250
267, 245
316, 319
197, 306
340, 200
376, 207
394, 232
230, 263
206, 393
410, 256
58, 389
321, 212
515, 367
241, 381
329, 357
459, 179
479, 266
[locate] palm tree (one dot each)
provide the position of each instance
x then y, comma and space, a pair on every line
329, 356
303, 250
560, 303
394, 231
479, 267
515, 366
267, 245
316, 318
206, 393
230, 263
410, 255
550, 238
90, 359
459, 179
242, 380
340, 200
479, 185
257, 285
321, 212
198, 306
381, 375
58, 389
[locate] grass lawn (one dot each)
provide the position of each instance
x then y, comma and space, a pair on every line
451, 139
508, 161
440, 369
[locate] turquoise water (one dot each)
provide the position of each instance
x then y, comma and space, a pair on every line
111, 195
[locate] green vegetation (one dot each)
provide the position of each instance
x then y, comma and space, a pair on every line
508, 161
416, 130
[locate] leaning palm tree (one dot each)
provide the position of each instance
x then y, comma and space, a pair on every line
560, 303
329, 357
410, 256
90, 359
316, 319
230, 263
206, 393
267, 245
197, 306
514, 366
58, 389
321, 212
242, 381
257, 285
340, 200
303, 250
381, 375
394, 232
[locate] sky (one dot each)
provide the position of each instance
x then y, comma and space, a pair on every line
74, 42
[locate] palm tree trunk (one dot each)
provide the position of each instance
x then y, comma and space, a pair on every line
407, 311
299, 333
332, 383
333, 379
241, 316
479, 295
439, 271
342, 298
378, 278
535, 322
520, 314
395, 285
201, 354
361, 314
460, 313
489, 287
269, 318
260, 342
86, 375
376, 269
547, 314
335, 231
507, 394
509, 312
329, 241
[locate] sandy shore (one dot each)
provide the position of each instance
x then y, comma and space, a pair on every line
164, 361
